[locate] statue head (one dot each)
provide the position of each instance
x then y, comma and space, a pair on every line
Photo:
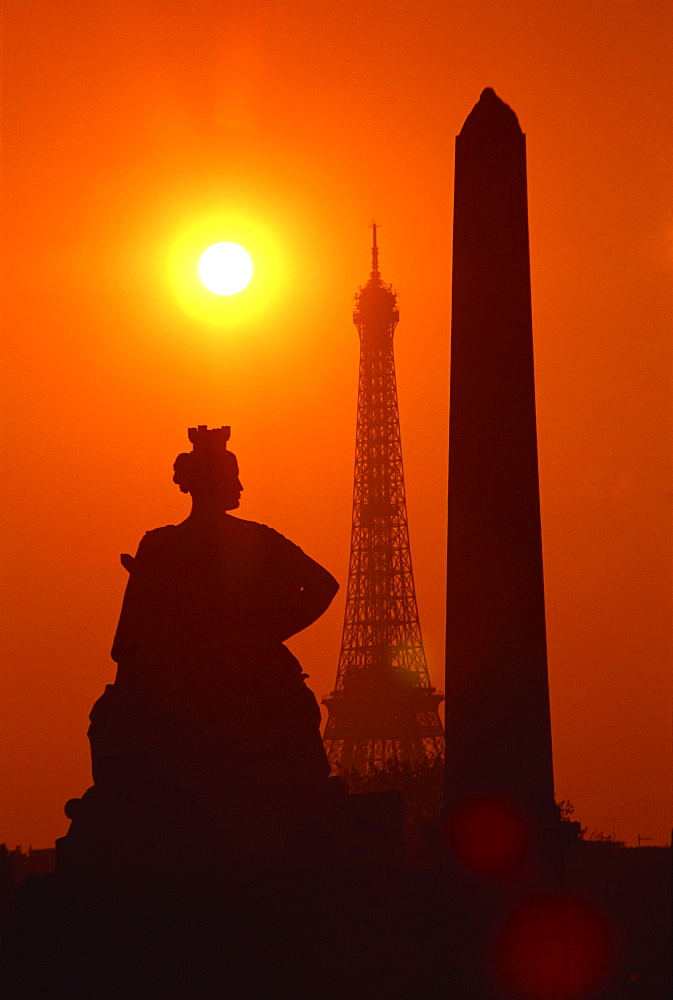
209, 472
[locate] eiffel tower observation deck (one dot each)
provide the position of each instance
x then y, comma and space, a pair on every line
383, 708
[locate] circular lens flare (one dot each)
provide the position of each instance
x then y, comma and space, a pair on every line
225, 268
488, 835
554, 948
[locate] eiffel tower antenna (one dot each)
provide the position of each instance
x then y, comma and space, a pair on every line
375, 253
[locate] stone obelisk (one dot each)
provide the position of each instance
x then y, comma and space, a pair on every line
498, 733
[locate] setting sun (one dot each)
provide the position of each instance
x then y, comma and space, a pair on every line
216, 282
225, 268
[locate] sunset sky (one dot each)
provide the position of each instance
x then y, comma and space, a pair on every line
138, 131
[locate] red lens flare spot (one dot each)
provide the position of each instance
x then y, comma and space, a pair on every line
489, 836
553, 948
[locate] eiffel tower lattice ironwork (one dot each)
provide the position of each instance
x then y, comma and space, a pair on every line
383, 708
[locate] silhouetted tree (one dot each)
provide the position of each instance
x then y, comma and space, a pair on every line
420, 784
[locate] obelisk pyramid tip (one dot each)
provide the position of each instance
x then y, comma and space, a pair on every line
491, 115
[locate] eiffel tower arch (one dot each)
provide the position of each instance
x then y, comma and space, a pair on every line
383, 708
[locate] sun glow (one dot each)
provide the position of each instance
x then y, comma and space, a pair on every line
225, 268
214, 286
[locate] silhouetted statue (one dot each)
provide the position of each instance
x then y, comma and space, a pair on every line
206, 749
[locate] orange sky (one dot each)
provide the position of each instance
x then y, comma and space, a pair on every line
128, 123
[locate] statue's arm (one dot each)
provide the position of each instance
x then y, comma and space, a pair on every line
303, 588
137, 606
317, 590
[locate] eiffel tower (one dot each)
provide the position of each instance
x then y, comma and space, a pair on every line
383, 708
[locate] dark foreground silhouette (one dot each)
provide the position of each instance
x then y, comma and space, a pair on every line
213, 855
208, 744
